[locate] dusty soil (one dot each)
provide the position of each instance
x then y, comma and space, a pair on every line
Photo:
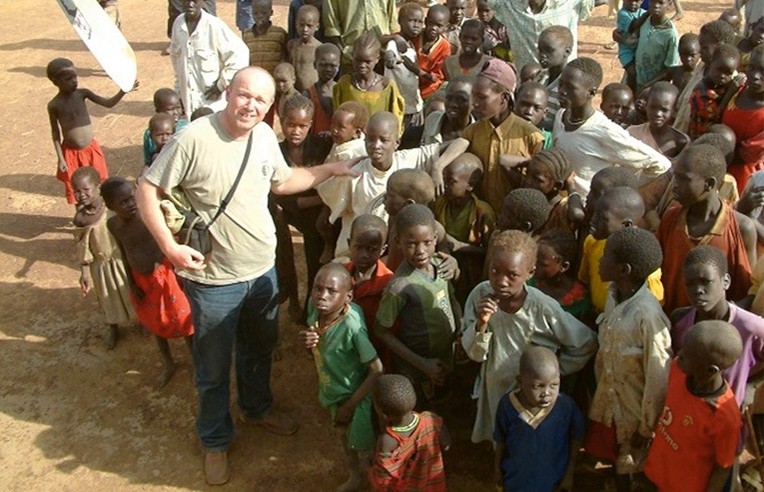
74, 416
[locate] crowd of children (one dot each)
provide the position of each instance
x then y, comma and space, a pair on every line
496, 223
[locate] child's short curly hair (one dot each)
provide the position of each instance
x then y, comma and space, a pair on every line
637, 247
591, 69
87, 172
705, 254
394, 395
56, 66
527, 205
414, 215
515, 241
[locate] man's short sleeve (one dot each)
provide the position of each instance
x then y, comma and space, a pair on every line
171, 165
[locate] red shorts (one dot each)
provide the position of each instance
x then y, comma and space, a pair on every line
164, 309
92, 155
601, 441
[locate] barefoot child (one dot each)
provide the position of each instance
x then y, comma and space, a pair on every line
658, 132
503, 316
698, 395
70, 124
347, 365
422, 302
157, 296
538, 431
632, 363
408, 453
302, 51
327, 65
100, 258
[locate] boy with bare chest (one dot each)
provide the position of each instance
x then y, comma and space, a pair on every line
302, 50
70, 124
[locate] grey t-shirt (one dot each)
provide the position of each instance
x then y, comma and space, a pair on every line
203, 161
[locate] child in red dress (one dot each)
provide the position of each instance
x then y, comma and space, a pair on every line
158, 298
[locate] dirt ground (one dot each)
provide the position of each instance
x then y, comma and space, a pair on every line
74, 416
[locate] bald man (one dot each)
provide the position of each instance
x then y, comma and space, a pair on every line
233, 289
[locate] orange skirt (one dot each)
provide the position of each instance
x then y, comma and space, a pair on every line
164, 309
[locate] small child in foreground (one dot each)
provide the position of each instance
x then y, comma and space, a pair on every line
632, 363
348, 124
158, 298
422, 302
70, 124
699, 427
161, 128
102, 267
346, 362
166, 101
408, 455
503, 316
538, 430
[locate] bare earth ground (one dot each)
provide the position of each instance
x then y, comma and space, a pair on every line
74, 416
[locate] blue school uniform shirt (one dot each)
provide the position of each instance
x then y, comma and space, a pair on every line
535, 459
626, 52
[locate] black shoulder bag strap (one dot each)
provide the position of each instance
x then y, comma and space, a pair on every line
235, 185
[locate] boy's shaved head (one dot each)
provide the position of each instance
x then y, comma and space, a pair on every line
285, 69
368, 222
337, 271
262, 3
538, 361
327, 48
664, 87
309, 11
384, 121
57, 66
469, 164
638, 248
624, 201
706, 161
163, 95
560, 33
688, 41
413, 184
718, 341
724, 131
615, 176
705, 254
161, 119
394, 395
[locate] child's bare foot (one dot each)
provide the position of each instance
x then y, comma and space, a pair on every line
112, 335
167, 372
351, 485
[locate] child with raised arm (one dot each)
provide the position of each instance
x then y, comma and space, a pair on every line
422, 303
327, 65
364, 85
349, 197
408, 454
699, 427
658, 132
166, 101
267, 42
302, 50
711, 95
157, 296
503, 316
702, 217
706, 281
102, 268
617, 102
347, 365
632, 363
70, 124
538, 431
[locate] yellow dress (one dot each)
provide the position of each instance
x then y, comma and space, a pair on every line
97, 248
388, 99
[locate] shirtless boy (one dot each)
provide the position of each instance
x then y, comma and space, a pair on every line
70, 124
302, 50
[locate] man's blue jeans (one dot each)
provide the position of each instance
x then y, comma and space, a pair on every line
243, 316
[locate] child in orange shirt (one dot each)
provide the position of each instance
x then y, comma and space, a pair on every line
432, 50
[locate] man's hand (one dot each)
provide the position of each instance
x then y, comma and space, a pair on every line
212, 93
186, 258
345, 167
